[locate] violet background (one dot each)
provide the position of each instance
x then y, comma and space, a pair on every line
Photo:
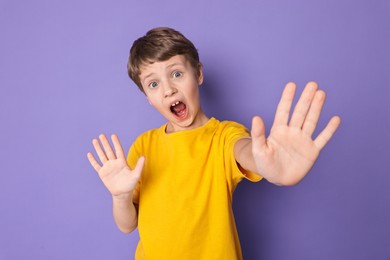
63, 81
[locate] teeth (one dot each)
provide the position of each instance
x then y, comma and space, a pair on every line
174, 104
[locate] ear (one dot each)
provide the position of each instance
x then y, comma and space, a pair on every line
200, 74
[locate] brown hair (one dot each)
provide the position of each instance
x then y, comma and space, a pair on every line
160, 44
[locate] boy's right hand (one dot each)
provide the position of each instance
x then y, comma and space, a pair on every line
113, 170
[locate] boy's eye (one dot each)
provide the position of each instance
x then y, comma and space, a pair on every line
177, 74
153, 85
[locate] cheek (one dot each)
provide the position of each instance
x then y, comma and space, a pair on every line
195, 91
152, 102
156, 104
152, 97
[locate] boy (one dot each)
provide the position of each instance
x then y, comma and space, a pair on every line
177, 183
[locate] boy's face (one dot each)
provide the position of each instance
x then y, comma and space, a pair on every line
172, 87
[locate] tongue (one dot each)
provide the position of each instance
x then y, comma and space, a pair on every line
179, 108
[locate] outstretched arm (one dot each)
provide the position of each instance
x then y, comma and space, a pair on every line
289, 152
119, 179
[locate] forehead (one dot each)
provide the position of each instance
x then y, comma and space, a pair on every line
177, 60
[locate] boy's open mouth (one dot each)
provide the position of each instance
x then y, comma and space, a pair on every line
179, 109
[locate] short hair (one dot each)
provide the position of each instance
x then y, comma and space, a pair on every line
160, 44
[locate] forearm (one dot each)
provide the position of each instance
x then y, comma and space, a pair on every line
244, 156
125, 213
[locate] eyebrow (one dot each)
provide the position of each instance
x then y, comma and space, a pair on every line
175, 64
169, 66
146, 77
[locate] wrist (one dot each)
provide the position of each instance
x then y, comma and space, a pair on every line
123, 197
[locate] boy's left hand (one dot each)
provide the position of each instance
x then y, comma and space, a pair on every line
289, 152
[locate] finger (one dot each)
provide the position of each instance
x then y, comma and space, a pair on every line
283, 110
102, 156
118, 147
326, 134
258, 136
107, 147
139, 166
93, 162
303, 105
314, 113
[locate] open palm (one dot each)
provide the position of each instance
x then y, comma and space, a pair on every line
113, 170
290, 150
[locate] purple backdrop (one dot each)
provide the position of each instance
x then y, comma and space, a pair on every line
63, 81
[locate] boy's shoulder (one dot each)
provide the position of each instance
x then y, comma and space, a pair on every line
152, 131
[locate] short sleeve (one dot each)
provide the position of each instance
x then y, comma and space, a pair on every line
232, 133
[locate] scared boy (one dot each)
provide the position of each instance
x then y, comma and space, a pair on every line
177, 183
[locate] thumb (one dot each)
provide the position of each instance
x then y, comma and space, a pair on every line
139, 166
258, 134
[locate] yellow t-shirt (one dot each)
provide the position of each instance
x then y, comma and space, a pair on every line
185, 192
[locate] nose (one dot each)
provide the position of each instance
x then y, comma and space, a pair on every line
169, 90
